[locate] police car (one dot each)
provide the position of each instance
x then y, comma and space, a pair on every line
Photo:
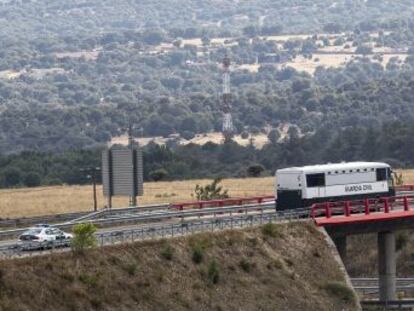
44, 236
299, 187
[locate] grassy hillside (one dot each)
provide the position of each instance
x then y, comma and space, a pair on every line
278, 267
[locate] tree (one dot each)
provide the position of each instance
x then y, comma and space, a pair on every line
205, 40
273, 136
332, 28
12, 176
244, 135
158, 174
32, 179
188, 135
255, 170
84, 237
363, 49
250, 31
153, 37
210, 192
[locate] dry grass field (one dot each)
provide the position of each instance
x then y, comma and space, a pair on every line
60, 199
258, 140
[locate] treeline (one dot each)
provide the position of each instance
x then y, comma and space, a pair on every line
392, 142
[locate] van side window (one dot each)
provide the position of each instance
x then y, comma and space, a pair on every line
315, 180
381, 174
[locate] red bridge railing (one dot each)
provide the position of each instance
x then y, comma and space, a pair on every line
223, 202
365, 206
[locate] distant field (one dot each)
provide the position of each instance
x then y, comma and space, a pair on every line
258, 140
60, 199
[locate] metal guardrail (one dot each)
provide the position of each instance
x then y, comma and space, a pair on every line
372, 283
405, 304
176, 229
133, 218
67, 217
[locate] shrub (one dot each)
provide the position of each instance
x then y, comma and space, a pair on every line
276, 263
131, 268
211, 192
198, 254
399, 179
255, 170
340, 290
84, 237
32, 179
167, 252
213, 272
12, 176
158, 174
245, 265
244, 135
1, 278
89, 280
270, 230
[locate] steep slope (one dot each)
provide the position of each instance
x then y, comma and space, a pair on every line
276, 267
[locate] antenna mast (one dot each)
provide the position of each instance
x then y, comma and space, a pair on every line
228, 129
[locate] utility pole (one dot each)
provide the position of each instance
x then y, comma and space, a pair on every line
91, 174
132, 199
227, 126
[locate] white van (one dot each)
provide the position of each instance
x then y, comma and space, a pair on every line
298, 187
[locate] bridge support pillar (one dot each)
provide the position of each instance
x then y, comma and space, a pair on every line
340, 243
386, 266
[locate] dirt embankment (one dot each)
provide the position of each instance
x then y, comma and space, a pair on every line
276, 267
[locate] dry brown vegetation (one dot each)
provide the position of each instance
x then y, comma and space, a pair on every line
50, 200
239, 270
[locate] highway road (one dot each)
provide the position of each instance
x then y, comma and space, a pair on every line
175, 227
144, 220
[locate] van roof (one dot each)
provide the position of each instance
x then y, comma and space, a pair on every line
333, 167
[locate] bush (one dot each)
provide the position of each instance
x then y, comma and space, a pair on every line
255, 170
11, 176
158, 174
131, 268
213, 272
340, 290
167, 252
198, 254
270, 230
245, 265
211, 192
1, 278
399, 179
188, 135
32, 179
84, 237
89, 280
244, 135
